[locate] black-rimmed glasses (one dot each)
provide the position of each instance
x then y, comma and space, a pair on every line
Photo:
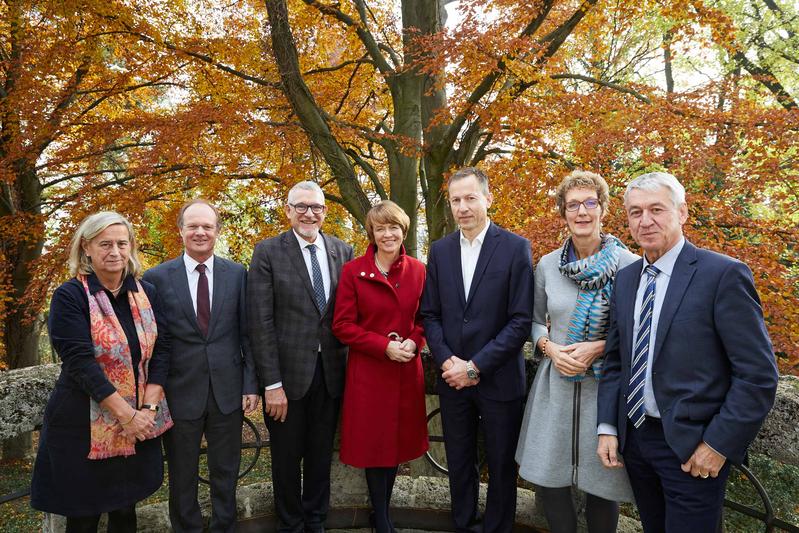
316, 209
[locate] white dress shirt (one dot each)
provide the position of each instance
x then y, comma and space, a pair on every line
321, 256
470, 252
194, 278
666, 266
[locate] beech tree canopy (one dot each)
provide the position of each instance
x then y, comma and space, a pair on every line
138, 105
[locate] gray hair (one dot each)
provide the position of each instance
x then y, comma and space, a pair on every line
465, 172
306, 186
90, 228
652, 181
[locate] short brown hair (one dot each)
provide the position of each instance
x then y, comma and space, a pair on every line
198, 201
582, 179
465, 172
386, 212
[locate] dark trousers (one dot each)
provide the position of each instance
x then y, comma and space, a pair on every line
119, 521
302, 448
668, 499
223, 440
461, 414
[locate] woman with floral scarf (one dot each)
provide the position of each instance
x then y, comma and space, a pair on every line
557, 444
100, 446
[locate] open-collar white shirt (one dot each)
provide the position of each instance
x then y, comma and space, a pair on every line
470, 253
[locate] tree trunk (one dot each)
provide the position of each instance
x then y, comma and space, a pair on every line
435, 163
310, 115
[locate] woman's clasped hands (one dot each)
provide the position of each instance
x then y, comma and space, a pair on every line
574, 359
401, 351
139, 426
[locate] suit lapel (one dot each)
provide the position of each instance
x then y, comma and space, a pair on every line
454, 247
220, 290
294, 253
334, 260
490, 243
180, 281
625, 310
684, 269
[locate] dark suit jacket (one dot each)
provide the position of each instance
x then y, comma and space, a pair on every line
224, 357
714, 373
492, 325
286, 327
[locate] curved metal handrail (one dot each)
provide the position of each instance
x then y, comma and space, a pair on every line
768, 517
257, 445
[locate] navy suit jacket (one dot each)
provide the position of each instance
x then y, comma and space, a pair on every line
714, 374
489, 327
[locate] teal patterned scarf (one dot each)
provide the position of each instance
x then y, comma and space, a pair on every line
594, 277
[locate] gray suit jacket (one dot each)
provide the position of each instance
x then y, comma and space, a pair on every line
223, 359
286, 327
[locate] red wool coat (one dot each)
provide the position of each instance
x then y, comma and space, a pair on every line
383, 420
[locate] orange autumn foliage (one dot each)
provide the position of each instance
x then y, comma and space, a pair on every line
197, 101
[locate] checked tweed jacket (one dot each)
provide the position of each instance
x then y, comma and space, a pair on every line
286, 327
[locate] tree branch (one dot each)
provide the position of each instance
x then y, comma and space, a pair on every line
767, 79
603, 83
361, 30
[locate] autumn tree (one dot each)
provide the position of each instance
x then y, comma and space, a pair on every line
392, 99
92, 117
136, 106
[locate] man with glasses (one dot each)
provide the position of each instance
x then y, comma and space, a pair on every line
290, 293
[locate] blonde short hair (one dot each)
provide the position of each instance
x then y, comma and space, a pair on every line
582, 179
92, 226
386, 212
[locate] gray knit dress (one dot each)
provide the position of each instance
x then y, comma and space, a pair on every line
558, 440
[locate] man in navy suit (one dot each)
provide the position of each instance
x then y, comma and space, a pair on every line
689, 371
212, 379
478, 310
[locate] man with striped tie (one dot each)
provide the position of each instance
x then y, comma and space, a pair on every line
689, 370
291, 293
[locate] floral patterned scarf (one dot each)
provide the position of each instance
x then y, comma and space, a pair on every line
112, 353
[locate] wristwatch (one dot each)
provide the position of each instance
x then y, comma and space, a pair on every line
150, 407
471, 372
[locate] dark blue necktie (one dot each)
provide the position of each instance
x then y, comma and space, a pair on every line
635, 392
318, 284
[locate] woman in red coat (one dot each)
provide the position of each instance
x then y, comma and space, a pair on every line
383, 419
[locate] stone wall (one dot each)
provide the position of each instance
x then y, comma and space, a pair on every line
24, 393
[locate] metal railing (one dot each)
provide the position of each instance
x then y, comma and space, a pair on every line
767, 517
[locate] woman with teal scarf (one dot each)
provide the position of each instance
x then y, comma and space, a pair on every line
557, 444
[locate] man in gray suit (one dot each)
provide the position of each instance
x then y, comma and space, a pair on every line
211, 374
290, 293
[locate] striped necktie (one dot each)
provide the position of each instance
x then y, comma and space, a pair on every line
635, 392
318, 284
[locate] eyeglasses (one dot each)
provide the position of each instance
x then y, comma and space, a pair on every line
589, 203
316, 209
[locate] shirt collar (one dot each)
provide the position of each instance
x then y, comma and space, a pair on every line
480, 236
128, 284
319, 242
666, 262
191, 264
